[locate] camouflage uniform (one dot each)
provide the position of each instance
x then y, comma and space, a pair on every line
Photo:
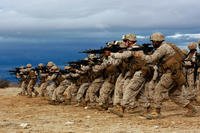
91, 93
166, 82
62, 84
52, 81
190, 90
169, 60
85, 82
42, 74
32, 76
71, 90
24, 81
47, 84
109, 65
135, 79
125, 76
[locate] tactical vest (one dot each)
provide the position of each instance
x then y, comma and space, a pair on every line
112, 72
175, 65
98, 74
189, 58
124, 67
32, 74
59, 78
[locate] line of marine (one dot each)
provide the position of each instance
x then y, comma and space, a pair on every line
121, 77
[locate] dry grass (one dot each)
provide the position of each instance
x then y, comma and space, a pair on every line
4, 83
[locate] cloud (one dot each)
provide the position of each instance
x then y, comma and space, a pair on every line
98, 14
64, 19
185, 36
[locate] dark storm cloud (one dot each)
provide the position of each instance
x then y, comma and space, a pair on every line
61, 18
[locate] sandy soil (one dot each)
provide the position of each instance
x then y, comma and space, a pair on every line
19, 114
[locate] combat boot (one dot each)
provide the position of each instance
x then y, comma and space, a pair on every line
196, 101
155, 114
191, 110
36, 93
77, 105
20, 94
67, 102
42, 94
29, 96
146, 111
91, 105
117, 110
53, 102
101, 107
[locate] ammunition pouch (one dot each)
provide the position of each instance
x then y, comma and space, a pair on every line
175, 67
112, 72
147, 72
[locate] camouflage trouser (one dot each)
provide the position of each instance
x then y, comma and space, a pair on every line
132, 90
59, 91
24, 87
119, 89
144, 97
71, 92
31, 86
149, 91
81, 91
166, 84
50, 89
105, 92
190, 90
93, 89
43, 88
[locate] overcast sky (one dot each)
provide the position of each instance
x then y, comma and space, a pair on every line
43, 19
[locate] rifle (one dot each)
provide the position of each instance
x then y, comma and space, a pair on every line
116, 48
41, 69
196, 66
64, 71
15, 71
79, 62
113, 49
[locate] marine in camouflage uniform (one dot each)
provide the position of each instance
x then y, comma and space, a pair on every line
62, 83
111, 72
190, 91
169, 59
44, 75
129, 41
72, 89
127, 90
97, 78
32, 76
23, 77
85, 73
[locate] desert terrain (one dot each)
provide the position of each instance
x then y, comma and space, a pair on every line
19, 114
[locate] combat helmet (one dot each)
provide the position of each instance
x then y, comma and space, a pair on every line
21, 67
50, 64
157, 37
28, 66
92, 56
130, 37
40, 65
110, 44
54, 68
192, 46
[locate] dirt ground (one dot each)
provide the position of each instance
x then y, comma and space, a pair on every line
19, 114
